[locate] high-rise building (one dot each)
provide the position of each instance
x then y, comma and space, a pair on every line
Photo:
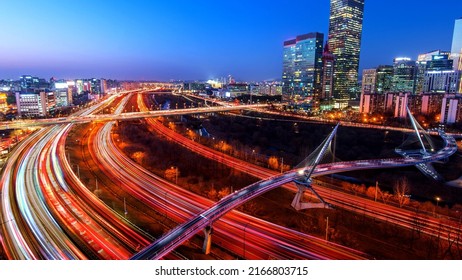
445, 81
404, 75
457, 44
302, 70
328, 61
384, 79
345, 28
451, 109
431, 103
103, 86
372, 103
434, 60
369, 81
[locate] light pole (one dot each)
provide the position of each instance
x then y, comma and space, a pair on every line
376, 187
437, 203
282, 165
175, 169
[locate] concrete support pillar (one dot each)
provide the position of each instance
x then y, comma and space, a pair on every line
208, 230
297, 203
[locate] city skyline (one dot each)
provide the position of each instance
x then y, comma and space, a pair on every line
183, 41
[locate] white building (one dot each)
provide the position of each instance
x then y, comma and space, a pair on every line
32, 104
451, 109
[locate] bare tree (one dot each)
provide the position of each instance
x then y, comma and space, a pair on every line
273, 162
401, 189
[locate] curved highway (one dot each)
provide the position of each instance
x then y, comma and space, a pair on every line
248, 236
42, 217
182, 233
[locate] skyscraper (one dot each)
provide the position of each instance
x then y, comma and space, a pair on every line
345, 28
457, 44
302, 70
328, 73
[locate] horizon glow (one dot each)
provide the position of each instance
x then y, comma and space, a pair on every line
200, 40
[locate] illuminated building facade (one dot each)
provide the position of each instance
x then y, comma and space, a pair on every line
372, 103
368, 81
456, 48
3, 102
328, 61
451, 109
446, 81
404, 75
302, 71
431, 103
434, 60
345, 28
31, 104
384, 79
62, 95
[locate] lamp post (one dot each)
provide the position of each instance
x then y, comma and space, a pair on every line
437, 203
282, 165
175, 169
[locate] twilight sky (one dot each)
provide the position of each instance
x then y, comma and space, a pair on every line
200, 39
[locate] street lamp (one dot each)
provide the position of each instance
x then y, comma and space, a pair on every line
175, 169
437, 200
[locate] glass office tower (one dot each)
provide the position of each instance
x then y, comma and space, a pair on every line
345, 28
302, 70
457, 45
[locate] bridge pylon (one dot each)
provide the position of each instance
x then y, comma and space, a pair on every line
304, 182
208, 230
298, 203
426, 167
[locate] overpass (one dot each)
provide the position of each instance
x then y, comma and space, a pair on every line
205, 219
19, 124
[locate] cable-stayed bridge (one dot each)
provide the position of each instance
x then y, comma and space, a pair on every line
302, 177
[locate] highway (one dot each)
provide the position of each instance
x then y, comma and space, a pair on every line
184, 232
245, 235
47, 213
19, 124
43, 219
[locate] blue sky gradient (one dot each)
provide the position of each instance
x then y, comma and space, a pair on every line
187, 40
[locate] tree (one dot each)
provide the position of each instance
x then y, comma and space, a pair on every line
273, 163
172, 174
401, 189
139, 157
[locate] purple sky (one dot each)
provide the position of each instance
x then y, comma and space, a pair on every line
163, 40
